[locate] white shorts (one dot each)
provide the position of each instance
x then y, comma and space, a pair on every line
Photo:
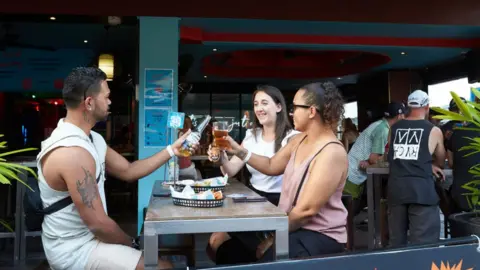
112, 256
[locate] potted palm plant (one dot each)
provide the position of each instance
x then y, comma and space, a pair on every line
10, 171
467, 223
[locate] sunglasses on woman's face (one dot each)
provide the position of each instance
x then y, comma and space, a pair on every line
293, 107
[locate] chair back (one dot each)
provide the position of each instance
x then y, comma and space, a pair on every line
348, 203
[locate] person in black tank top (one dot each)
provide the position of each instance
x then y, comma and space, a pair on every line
412, 198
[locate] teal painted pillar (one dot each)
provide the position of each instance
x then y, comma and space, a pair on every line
159, 40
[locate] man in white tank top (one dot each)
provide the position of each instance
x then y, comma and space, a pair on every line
72, 162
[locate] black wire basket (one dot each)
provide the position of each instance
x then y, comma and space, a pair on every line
198, 203
199, 189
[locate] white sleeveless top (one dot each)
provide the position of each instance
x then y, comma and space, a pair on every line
67, 241
260, 181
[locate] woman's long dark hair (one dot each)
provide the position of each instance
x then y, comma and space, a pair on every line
282, 125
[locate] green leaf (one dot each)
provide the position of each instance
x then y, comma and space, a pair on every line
8, 173
471, 153
475, 92
9, 169
18, 166
474, 199
448, 114
25, 184
17, 151
472, 183
6, 225
4, 180
469, 147
451, 117
471, 189
462, 106
474, 104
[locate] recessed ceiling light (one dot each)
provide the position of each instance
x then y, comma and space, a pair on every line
214, 49
205, 76
85, 41
403, 53
53, 18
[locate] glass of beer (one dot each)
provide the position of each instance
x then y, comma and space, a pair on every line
220, 130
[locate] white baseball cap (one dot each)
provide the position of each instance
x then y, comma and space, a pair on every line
418, 99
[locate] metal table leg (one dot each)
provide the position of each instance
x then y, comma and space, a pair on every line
150, 250
281, 244
18, 222
371, 209
377, 193
23, 238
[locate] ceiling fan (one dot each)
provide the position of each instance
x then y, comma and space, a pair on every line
10, 40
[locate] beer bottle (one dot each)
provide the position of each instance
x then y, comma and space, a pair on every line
194, 137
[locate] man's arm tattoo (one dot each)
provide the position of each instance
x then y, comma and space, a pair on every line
87, 189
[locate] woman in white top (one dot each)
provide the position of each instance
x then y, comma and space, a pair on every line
271, 131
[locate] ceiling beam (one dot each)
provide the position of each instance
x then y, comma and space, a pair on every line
460, 12
196, 35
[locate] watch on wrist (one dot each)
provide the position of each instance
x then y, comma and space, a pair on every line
135, 243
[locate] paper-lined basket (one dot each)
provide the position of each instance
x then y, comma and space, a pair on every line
214, 184
188, 197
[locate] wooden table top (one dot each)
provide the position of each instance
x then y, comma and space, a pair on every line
163, 209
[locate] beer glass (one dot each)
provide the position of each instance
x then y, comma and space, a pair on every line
220, 130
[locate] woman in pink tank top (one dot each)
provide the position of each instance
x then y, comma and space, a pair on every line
314, 165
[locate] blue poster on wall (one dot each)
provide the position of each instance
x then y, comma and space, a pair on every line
155, 129
158, 87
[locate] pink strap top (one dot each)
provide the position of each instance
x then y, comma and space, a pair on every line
331, 220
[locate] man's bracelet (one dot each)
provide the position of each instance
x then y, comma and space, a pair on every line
170, 151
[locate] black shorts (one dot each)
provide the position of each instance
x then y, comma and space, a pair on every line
273, 198
241, 248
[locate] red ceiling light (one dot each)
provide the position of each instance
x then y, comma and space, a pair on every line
290, 64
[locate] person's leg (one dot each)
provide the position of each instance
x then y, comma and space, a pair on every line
234, 251
215, 241
359, 196
118, 257
398, 224
424, 223
305, 243
314, 244
295, 249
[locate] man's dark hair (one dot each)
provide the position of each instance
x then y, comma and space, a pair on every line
81, 83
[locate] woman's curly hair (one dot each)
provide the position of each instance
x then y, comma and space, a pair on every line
327, 99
